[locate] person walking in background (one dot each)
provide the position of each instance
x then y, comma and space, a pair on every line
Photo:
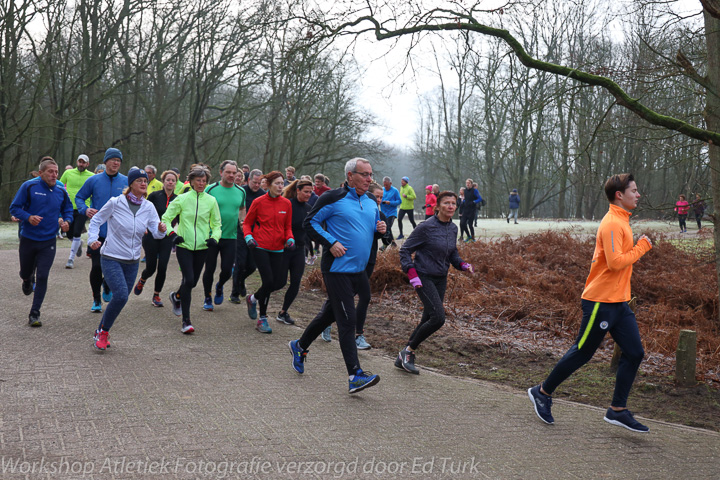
271, 217
430, 202
289, 175
390, 201
605, 308
468, 209
344, 220
298, 192
514, 204
699, 208
73, 180
244, 262
40, 205
435, 249
199, 216
127, 217
231, 202
407, 205
320, 186
154, 185
100, 188
158, 250
682, 207
477, 207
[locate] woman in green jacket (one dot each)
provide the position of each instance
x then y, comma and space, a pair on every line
199, 226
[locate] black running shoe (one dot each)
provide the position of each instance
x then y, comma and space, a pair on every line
407, 361
34, 319
624, 418
27, 287
542, 404
285, 318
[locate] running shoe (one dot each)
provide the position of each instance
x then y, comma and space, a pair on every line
285, 318
262, 326
70, 264
361, 343
299, 356
326, 335
79, 251
235, 299
406, 361
624, 418
142, 260
242, 292
313, 258
508, 218
106, 295
383, 247
101, 340
362, 380
219, 297
97, 336
252, 307
34, 319
208, 306
176, 305
139, 287
27, 287
400, 237
96, 307
156, 300
542, 404
187, 327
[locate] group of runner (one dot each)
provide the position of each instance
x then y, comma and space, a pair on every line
278, 225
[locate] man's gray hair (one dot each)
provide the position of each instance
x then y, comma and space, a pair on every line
225, 163
351, 165
151, 167
255, 173
387, 179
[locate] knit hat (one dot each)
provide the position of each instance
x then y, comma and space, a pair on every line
136, 173
514, 190
112, 153
406, 179
84, 158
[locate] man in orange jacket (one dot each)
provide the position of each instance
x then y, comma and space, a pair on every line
605, 308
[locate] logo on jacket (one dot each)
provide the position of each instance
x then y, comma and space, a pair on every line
282, 211
604, 325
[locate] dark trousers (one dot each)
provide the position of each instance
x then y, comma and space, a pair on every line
340, 308
682, 219
293, 265
226, 247
36, 257
466, 225
191, 264
389, 222
96, 275
363, 303
77, 225
598, 319
401, 215
157, 257
244, 266
431, 294
272, 275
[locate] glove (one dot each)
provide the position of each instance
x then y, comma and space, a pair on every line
251, 243
290, 245
414, 279
211, 242
464, 266
176, 239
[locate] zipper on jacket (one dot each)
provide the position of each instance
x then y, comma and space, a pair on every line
197, 208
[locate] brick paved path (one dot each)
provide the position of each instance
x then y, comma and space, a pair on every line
225, 403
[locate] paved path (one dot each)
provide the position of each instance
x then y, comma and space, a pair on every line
225, 403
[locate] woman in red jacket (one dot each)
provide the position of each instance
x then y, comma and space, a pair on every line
681, 207
271, 216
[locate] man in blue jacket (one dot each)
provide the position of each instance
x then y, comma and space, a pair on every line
389, 205
99, 189
40, 204
344, 221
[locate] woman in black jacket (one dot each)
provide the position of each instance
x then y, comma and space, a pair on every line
435, 248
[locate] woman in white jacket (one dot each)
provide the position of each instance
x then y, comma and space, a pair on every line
128, 216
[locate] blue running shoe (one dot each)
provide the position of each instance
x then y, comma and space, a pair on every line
106, 295
326, 335
208, 306
219, 297
362, 380
624, 418
252, 307
361, 343
299, 356
542, 404
97, 307
262, 326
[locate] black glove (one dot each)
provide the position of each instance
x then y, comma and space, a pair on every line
211, 242
177, 239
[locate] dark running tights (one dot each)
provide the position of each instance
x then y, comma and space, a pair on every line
191, 264
431, 294
270, 267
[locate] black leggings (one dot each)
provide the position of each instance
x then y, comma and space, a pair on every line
683, 225
191, 264
294, 264
77, 225
244, 265
157, 256
431, 294
226, 248
401, 215
96, 275
270, 267
466, 225
36, 258
340, 308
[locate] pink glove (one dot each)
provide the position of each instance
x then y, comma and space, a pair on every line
414, 279
464, 266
